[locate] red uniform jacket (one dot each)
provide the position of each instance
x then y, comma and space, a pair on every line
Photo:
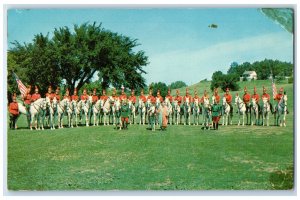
278, 97
266, 96
84, 97
170, 98
75, 97
13, 108
228, 98
178, 99
123, 96
104, 97
35, 97
27, 99
132, 99
143, 98
57, 96
94, 99
256, 97
246, 98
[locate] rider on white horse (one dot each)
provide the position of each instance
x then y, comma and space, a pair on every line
196, 107
94, 100
229, 101
246, 100
178, 99
256, 97
278, 98
132, 106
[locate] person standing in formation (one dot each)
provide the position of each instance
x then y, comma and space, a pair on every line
159, 97
13, 112
124, 114
216, 113
142, 96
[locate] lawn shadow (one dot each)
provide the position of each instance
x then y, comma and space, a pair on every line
282, 179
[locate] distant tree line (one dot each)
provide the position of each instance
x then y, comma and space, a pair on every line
263, 69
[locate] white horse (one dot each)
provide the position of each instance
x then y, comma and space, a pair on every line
187, 111
76, 110
35, 108
116, 111
226, 112
255, 112
206, 112
52, 109
106, 108
176, 112
158, 107
196, 112
70, 111
266, 111
170, 110
142, 111
61, 108
148, 105
132, 112
281, 111
241, 107
96, 112
85, 108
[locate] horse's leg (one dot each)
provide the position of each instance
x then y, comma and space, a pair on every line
268, 116
284, 115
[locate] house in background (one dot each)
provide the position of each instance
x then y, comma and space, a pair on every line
249, 75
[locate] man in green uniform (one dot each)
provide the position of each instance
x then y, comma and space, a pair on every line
216, 112
125, 111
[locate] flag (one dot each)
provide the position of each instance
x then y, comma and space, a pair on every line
274, 89
21, 86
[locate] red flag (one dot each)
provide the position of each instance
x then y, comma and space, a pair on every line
21, 86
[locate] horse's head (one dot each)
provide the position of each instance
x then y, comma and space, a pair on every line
196, 102
117, 104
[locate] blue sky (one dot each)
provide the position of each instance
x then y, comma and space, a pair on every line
178, 41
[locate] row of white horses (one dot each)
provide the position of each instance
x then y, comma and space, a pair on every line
108, 112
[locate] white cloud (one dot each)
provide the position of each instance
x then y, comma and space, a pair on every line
193, 66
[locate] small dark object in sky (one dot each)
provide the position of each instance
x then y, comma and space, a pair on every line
213, 26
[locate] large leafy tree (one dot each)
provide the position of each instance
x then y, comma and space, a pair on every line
223, 81
74, 57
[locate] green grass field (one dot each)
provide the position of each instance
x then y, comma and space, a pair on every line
181, 158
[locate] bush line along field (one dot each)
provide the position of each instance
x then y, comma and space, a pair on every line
181, 158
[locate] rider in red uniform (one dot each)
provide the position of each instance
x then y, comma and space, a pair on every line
178, 98
104, 97
123, 95
57, 95
36, 95
84, 95
142, 96
187, 96
169, 96
75, 97
132, 97
94, 96
229, 100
